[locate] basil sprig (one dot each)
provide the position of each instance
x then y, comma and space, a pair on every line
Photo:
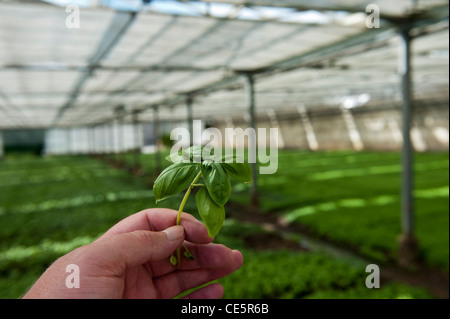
196, 164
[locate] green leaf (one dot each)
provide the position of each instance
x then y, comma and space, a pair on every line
239, 171
194, 153
179, 157
175, 158
217, 182
174, 179
212, 214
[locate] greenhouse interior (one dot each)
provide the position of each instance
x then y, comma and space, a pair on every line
348, 101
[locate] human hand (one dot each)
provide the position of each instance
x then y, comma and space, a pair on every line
131, 260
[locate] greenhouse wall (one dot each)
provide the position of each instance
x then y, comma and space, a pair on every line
337, 129
377, 129
98, 139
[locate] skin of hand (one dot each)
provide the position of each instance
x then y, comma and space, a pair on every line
131, 260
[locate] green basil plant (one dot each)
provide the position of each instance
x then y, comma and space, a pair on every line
199, 167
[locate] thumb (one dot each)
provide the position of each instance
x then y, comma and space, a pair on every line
138, 247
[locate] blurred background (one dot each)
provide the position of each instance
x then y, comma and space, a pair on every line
358, 90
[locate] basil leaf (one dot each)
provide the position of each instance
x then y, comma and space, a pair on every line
176, 158
194, 153
212, 214
198, 154
217, 182
173, 180
238, 171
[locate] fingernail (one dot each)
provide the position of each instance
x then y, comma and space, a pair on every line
174, 232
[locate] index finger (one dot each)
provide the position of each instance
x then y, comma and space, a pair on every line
159, 219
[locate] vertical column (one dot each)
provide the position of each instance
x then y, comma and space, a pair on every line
102, 136
252, 145
2, 152
110, 138
103, 139
408, 244
120, 114
86, 141
113, 139
121, 144
97, 129
137, 141
90, 137
157, 132
98, 149
190, 119
95, 139
68, 141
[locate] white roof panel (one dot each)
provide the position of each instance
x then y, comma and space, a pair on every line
52, 75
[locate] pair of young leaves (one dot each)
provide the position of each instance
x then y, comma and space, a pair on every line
215, 191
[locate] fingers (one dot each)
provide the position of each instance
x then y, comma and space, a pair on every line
143, 238
158, 219
212, 291
210, 256
135, 248
174, 283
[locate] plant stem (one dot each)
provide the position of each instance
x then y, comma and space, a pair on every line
188, 192
180, 210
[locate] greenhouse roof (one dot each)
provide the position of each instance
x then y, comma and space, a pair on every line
319, 54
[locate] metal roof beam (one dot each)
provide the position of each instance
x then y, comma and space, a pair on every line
305, 5
11, 108
327, 5
374, 38
119, 25
122, 68
353, 45
295, 4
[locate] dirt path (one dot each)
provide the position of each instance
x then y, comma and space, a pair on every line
435, 281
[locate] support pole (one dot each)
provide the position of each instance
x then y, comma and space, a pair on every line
190, 119
95, 139
104, 151
120, 114
98, 138
137, 142
252, 145
112, 139
91, 140
121, 140
2, 152
68, 141
408, 243
157, 132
